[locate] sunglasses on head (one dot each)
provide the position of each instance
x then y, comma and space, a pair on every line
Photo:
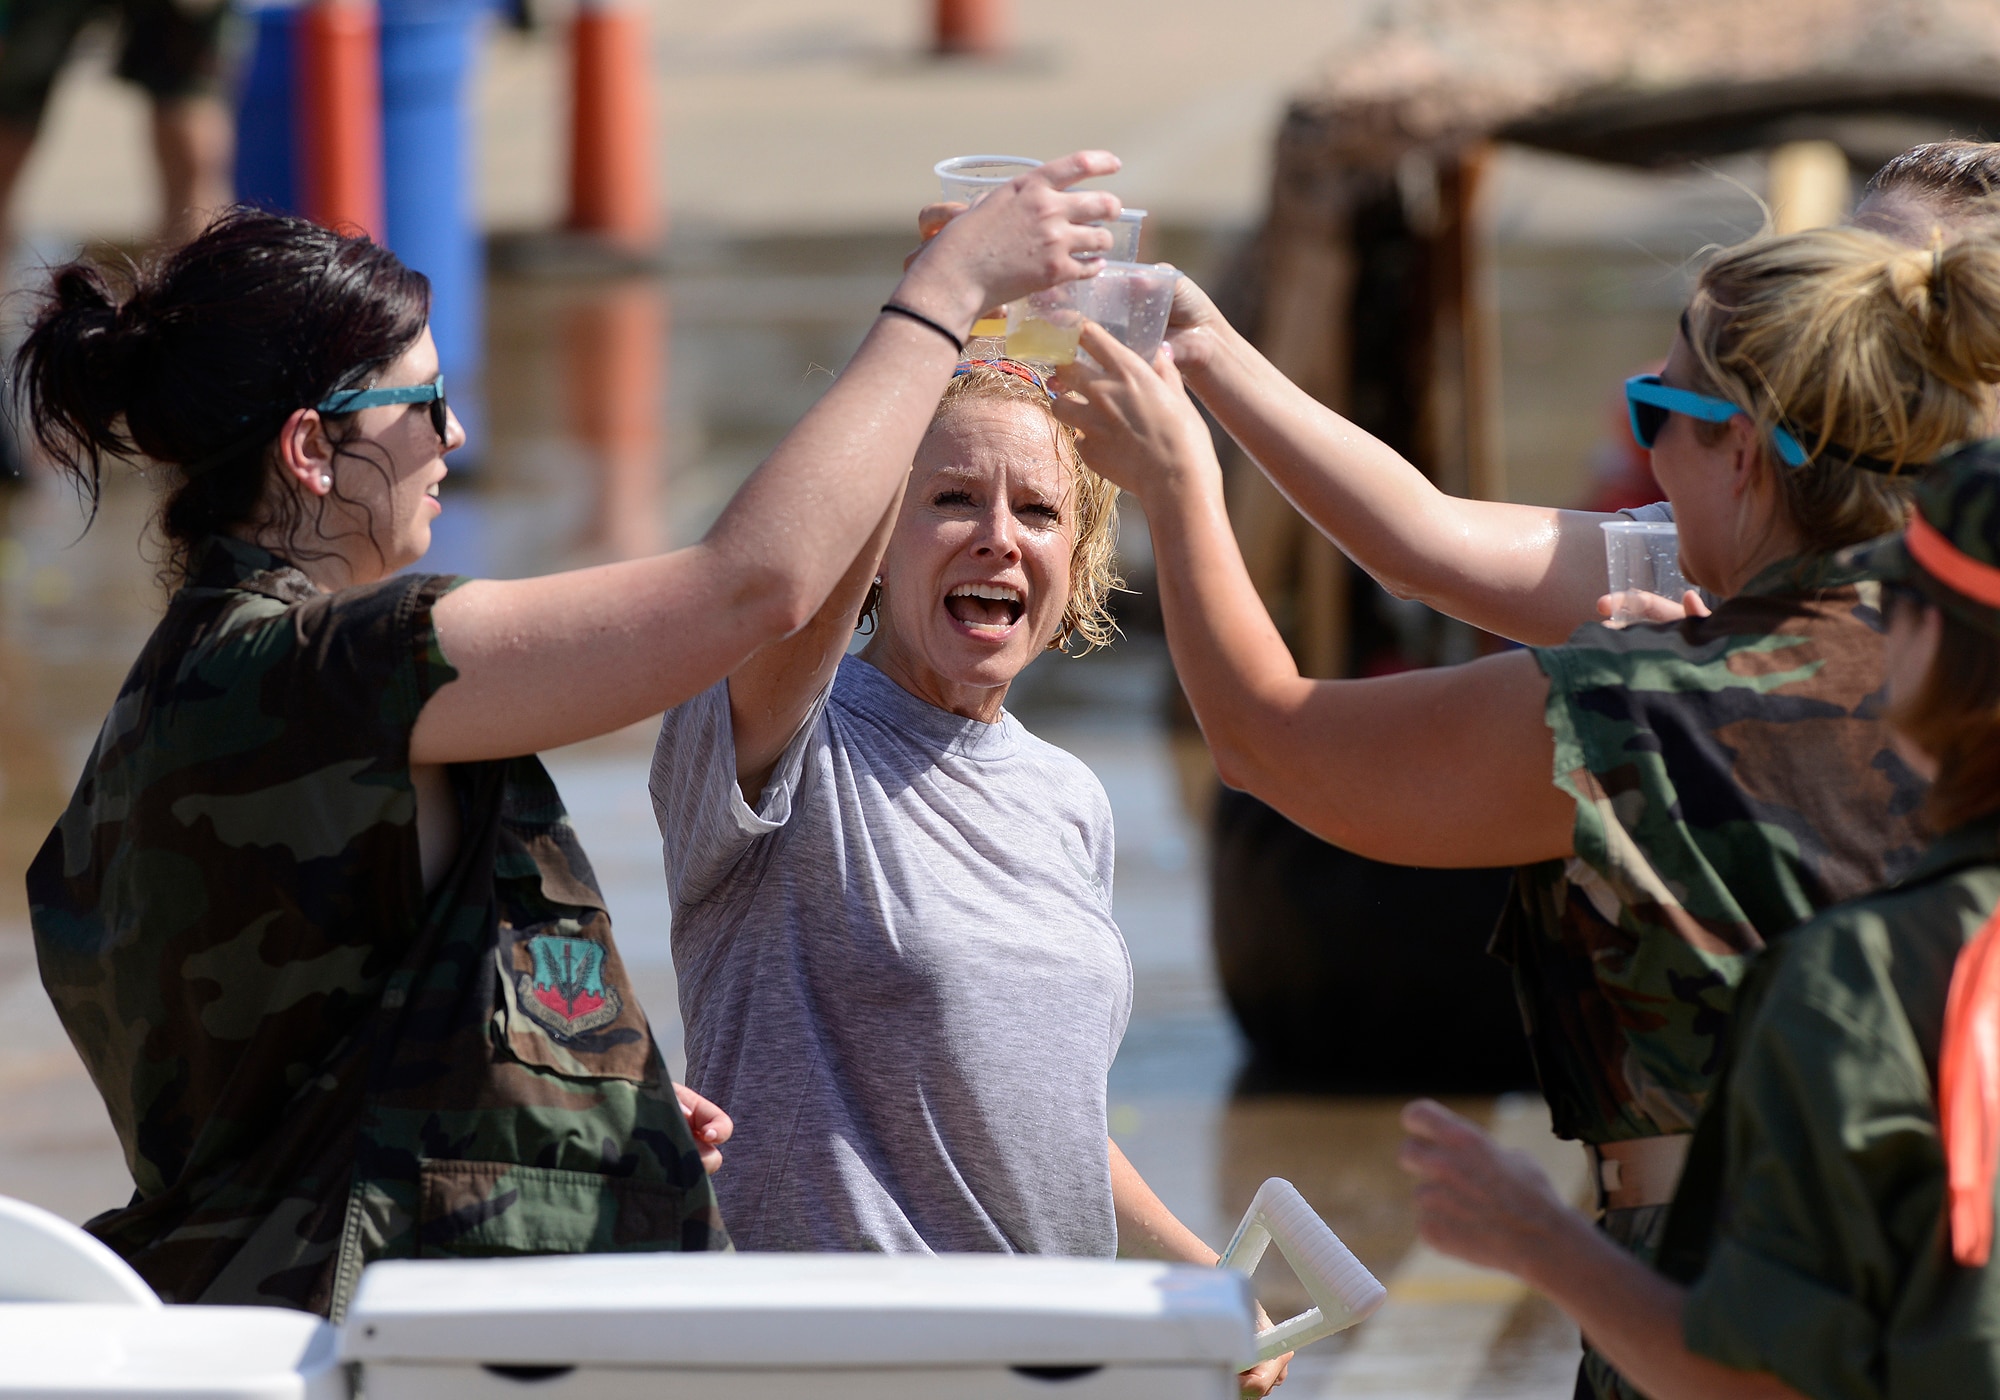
354, 400
1648, 401
1005, 366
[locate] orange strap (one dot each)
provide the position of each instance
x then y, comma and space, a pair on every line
1959, 572
1969, 1093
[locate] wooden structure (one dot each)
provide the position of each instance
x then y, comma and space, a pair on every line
1368, 285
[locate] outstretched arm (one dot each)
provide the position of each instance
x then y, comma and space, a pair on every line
548, 661
1478, 1202
1448, 767
1531, 573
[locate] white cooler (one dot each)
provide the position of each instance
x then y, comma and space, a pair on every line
77, 1324
763, 1326
110, 1351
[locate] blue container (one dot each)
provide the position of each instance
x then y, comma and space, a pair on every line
266, 125
427, 54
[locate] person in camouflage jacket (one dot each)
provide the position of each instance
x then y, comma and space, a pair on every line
1676, 795
1832, 1234
315, 918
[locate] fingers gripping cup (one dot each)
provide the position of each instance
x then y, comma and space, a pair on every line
967, 180
1642, 556
1132, 301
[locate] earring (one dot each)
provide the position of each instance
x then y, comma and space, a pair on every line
326, 481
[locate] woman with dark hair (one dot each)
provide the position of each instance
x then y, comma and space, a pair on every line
315, 918
1833, 1235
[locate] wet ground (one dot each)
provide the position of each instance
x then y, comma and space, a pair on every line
622, 414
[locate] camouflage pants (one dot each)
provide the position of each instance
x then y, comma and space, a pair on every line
1638, 1231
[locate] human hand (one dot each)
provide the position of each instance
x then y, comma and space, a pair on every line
1022, 237
1266, 1376
1140, 428
710, 1125
1478, 1201
931, 220
1192, 326
1642, 606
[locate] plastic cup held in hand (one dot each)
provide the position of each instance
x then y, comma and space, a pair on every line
1132, 301
969, 179
1643, 556
1043, 327
1125, 231
1339, 1284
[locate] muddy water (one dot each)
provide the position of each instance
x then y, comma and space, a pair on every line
622, 414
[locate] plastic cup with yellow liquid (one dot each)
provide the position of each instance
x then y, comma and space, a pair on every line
1043, 327
967, 180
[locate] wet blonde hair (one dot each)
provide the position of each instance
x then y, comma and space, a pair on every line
1092, 504
1857, 344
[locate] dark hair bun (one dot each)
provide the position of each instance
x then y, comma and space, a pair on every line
197, 359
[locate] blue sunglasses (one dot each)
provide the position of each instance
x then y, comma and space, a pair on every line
354, 400
1649, 402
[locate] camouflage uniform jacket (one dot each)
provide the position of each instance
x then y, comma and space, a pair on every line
1810, 1222
310, 1062
1732, 775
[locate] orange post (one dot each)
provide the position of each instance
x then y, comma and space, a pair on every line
977, 27
340, 115
616, 357
611, 185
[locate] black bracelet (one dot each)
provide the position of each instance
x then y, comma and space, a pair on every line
894, 308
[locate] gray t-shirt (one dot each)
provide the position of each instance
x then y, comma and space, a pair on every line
1661, 511
900, 975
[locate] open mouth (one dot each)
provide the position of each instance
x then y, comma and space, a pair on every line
986, 607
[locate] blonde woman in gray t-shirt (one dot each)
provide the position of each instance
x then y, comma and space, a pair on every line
892, 904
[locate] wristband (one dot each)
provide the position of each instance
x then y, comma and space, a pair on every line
894, 308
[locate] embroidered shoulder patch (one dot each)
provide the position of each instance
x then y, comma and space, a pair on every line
565, 991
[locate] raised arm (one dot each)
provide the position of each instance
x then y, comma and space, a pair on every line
548, 661
1449, 767
1531, 573
770, 693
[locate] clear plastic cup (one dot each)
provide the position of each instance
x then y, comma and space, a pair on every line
969, 179
1132, 300
1124, 237
1642, 556
1043, 327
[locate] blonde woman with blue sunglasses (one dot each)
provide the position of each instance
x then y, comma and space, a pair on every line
1675, 795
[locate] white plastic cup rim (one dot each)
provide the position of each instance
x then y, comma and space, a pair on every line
958, 168
1630, 527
